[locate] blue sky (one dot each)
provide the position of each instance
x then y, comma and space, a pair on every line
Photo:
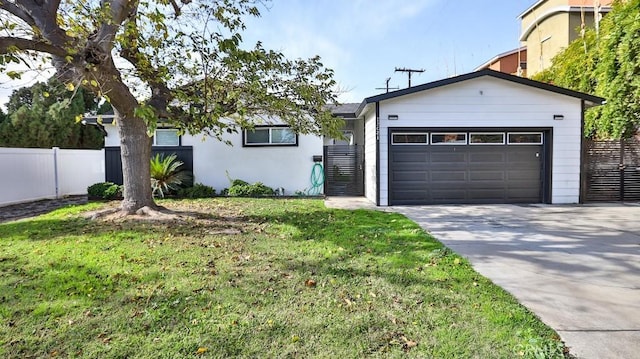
363, 41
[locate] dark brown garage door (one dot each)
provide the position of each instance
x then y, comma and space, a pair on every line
465, 167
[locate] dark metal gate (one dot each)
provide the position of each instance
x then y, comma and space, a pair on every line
611, 170
344, 170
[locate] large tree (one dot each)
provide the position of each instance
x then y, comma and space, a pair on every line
43, 115
179, 60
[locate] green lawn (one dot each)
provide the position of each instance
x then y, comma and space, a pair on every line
250, 278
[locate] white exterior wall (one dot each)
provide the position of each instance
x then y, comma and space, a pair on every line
30, 174
287, 167
370, 179
112, 139
492, 102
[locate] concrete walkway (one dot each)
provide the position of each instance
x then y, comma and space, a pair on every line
30, 209
576, 267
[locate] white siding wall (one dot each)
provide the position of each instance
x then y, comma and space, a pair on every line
370, 182
491, 102
277, 167
286, 167
30, 174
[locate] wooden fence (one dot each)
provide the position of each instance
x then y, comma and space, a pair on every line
611, 170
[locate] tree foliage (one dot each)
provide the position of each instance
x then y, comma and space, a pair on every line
608, 65
44, 116
180, 60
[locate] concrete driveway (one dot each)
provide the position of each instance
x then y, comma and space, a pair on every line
576, 267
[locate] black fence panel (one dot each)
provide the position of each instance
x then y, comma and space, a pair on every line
344, 170
611, 170
113, 163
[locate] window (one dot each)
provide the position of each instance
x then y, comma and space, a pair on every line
348, 141
409, 139
270, 136
166, 137
529, 138
486, 138
448, 138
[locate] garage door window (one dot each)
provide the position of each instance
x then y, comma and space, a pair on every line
409, 139
486, 138
449, 138
529, 138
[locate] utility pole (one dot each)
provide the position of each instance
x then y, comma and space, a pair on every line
408, 71
387, 86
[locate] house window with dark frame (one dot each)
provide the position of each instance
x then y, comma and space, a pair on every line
270, 136
166, 137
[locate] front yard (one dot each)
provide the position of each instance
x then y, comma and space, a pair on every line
250, 278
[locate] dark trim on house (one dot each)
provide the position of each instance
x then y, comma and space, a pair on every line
547, 148
378, 154
93, 119
346, 115
113, 160
595, 100
583, 166
244, 144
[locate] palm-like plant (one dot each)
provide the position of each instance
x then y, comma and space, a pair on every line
166, 175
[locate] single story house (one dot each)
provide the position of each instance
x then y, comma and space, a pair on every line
482, 137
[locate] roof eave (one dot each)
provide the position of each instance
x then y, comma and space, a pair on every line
485, 72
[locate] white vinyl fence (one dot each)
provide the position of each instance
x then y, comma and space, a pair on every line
29, 174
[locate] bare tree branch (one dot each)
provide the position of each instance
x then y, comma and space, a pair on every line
120, 11
45, 20
18, 12
7, 44
52, 6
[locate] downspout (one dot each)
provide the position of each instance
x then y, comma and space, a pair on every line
377, 153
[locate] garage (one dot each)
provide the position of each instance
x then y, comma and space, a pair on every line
483, 137
466, 166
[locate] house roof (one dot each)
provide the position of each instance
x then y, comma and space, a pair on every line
106, 119
499, 56
592, 100
345, 110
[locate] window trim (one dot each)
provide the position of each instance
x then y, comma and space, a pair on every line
504, 139
466, 139
426, 134
155, 137
270, 144
525, 143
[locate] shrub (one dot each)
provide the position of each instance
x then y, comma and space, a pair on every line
198, 190
257, 189
104, 190
166, 175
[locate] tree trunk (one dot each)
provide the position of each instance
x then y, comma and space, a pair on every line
135, 152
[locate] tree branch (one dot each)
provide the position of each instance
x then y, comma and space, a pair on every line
120, 11
7, 43
52, 6
18, 12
